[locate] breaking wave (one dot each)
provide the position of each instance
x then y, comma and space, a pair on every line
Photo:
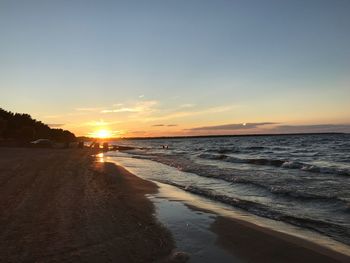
277, 163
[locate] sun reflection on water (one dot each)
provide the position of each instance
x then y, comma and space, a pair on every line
100, 158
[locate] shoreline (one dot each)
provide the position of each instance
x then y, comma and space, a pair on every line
250, 242
290, 244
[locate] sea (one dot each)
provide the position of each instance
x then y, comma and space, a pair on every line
303, 180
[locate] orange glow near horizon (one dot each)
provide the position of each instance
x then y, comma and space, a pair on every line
102, 134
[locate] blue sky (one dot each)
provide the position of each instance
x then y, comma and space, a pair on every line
132, 65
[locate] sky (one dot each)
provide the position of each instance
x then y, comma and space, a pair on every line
180, 67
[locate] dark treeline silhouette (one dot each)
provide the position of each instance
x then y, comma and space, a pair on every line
23, 128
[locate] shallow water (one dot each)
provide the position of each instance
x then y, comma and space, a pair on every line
301, 180
150, 170
189, 229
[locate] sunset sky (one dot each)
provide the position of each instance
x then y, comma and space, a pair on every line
180, 67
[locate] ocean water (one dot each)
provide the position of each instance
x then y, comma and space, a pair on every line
303, 180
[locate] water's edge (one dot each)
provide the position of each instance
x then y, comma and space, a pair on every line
173, 193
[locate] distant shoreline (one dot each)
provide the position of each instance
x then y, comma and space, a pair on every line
212, 136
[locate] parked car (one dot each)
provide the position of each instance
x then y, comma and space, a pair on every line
42, 143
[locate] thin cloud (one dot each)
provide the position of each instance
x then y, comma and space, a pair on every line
136, 132
188, 105
101, 123
138, 107
181, 114
121, 110
58, 116
234, 126
275, 129
89, 109
163, 125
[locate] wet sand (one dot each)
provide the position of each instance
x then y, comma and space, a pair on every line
62, 206
208, 236
255, 245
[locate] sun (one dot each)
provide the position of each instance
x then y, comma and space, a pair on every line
102, 134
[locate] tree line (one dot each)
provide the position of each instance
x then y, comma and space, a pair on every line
22, 127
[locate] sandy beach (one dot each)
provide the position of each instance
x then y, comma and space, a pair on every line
67, 206
61, 206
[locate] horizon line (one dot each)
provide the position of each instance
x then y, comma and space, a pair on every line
211, 136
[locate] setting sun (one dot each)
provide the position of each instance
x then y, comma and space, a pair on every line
102, 134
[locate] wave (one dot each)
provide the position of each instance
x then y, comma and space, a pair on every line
224, 150
333, 230
306, 196
247, 149
329, 209
315, 169
255, 148
209, 171
278, 163
321, 197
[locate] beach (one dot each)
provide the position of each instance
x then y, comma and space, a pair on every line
69, 206
61, 206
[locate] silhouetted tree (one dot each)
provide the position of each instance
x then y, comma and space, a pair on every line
23, 128
3, 123
26, 133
